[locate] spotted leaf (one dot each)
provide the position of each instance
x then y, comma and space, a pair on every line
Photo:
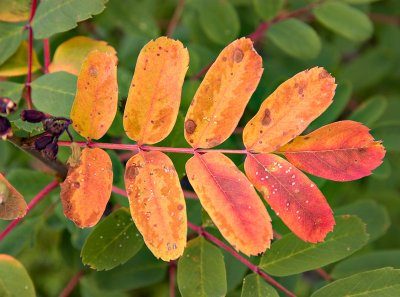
289, 110
157, 203
231, 201
155, 92
12, 203
87, 188
340, 151
223, 95
70, 54
293, 197
96, 99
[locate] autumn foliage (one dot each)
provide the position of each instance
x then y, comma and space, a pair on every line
275, 151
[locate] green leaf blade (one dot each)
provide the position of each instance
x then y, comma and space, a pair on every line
290, 255
255, 286
10, 39
295, 38
113, 242
201, 270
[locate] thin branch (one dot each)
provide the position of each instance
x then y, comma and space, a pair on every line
30, 55
172, 278
72, 284
253, 267
190, 195
385, 19
46, 190
119, 191
46, 53
175, 18
137, 148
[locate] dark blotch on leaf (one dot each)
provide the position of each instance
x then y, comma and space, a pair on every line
190, 126
132, 171
266, 120
238, 55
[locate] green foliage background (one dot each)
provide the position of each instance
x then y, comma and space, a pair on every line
358, 41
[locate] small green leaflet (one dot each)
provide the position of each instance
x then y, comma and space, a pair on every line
113, 242
255, 286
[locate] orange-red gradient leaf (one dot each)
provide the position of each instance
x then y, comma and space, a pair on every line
340, 151
12, 203
70, 54
289, 110
157, 203
155, 92
87, 188
96, 99
231, 201
291, 194
223, 95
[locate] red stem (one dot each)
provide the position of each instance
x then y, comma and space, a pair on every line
30, 55
253, 267
46, 49
31, 205
172, 278
72, 284
175, 18
136, 148
119, 191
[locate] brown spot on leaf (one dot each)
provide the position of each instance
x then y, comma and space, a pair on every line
93, 71
266, 120
190, 126
132, 171
77, 185
180, 207
238, 55
323, 74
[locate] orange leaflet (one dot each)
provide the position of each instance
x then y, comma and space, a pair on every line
223, 95
96, 99
87, 188
155, 92
70, 54
293, 197
157, 203
289, 110
12, 203
340, 151
231, 201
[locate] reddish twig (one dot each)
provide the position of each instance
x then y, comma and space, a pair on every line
190, 194
30, 55
47, 189
72, 284
252, 267
172, 278
137, 148
119, 191
385, 19
46, 53
175, 18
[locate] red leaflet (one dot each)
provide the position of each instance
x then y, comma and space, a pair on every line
290, 193
231, 201
340, 151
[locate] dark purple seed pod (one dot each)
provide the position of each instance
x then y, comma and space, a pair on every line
50, 151
43, 141
5, 128
55, 127
7, 106
33, 116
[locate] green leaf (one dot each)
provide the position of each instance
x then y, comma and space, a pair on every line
342, 97
344, 20
201, 270
255, 286
370, 111
28, 182
11, 90
10, 39
55, 16
14, 279
14, 10
290, 255
140, 271
359, 1
54, 93
88, 288
380, 282
219, 20
389, 133
374, 215
31, 128
295, 38
113, 242
368, 261
268, 9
